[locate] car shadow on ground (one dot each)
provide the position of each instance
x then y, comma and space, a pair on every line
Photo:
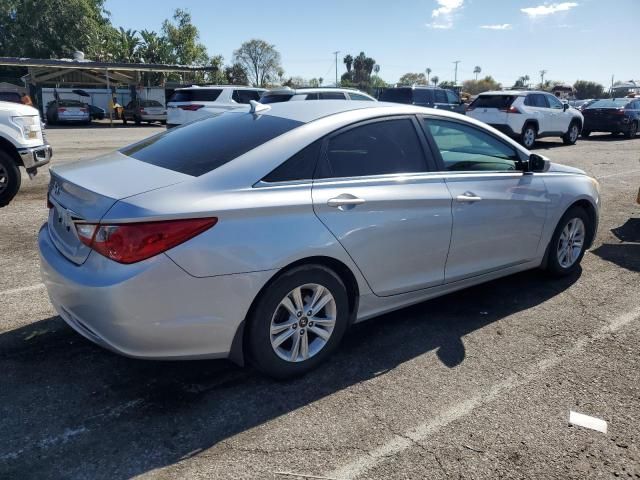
101, 124
71, 409
625, 254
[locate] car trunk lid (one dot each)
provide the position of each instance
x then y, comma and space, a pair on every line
491, 109
84, 192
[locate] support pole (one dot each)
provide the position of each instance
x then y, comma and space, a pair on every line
110, 104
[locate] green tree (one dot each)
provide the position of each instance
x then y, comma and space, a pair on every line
412, 79
50, 28
585, 89
359, 70
218, 76
125, 47
447, 84
485, 84
184, 39
428, 72
260, 60
348, 62
477, 71
435, 80
236, 75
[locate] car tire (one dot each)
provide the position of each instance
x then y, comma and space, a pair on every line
124, 120
563, 253
273, 331
10, 178
572, 134
528, 136
137, 120
585, 133
633, 130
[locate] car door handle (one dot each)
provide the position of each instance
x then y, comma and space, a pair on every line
345, 200
468, 197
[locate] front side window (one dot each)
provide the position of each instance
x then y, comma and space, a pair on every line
467, 148
422, 96
378, 148
441, 97
554, 102
332, 96
452, 97
357, 96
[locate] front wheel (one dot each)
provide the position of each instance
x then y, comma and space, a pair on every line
569, 241
298, 321
572, 134
633, 130
10, 179
528, 137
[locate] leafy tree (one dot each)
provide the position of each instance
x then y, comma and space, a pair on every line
125, 48
522, 82
295, 82
413, 79
348, 61
478, 86
155, 48
236, 75
585, 89
320, 80
435, 80
477, 71
217, 76
314, 83
377, 83
184, 38
50, 28
447, 84
359, 70
260, 60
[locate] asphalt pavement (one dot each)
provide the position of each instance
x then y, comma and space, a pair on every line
478, 384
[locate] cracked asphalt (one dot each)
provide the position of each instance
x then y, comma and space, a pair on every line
477, 384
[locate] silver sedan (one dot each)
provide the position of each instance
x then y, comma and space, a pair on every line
261, 236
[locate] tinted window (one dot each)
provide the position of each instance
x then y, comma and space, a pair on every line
536, 100
275, 98
609, 103
312, 96
200, 95
554, 102
501, 102
440, 96
204, 145
452, 97
397, 95
422, 96
70, 103
245, 96
465, 148
10, 97
332, 96
150, 103
299, 167
357, 96
378, 148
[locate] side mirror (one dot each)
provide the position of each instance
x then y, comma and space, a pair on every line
566, 106
537, 163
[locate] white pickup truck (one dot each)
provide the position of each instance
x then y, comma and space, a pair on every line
22, 143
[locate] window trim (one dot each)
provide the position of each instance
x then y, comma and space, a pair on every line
427, 154
520, 169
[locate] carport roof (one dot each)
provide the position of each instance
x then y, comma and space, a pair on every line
91, 65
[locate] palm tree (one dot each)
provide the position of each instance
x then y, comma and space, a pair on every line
435, 80
428, 72
376, 69
477, 71
348, 61
320, 80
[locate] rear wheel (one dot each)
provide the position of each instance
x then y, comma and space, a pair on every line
137, 120
124, 120
298, 321
569, 242
633, 130
10, 179
572, 134
528, 136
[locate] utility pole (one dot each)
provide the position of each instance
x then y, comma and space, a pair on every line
542, 74
455, 79
336, 54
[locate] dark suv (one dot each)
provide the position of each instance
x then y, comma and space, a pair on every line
424, 96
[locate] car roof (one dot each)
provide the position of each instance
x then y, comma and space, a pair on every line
219, 87
512, 92
294, 91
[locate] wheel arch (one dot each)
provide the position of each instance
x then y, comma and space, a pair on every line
588, 207
238, 345
8, 147
531, 121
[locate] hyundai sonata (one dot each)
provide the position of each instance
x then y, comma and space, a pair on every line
263, 235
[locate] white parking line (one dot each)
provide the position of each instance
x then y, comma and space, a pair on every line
629, 172
30, 288
410, 438
582, 420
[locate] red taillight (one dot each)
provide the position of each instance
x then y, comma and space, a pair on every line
619, 111
84, 110
191, 108
62, 110
133, 242
511, 109
142, 111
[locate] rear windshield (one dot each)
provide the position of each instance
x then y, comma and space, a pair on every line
70, 103
493, 101
271, 98
609, 103
397, 95
150, 103
199, 95
204, 145
10, 97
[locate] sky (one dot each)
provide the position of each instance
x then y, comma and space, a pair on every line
576, 40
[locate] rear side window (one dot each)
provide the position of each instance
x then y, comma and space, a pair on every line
312, 96
10, 97
332, 96
422, 96
440, 96
452, 97
204, 145
397, 95
275, 98
358, 96
377, 148
501, 102
299, 167
245, 96
200, 95
466, 148
536, 100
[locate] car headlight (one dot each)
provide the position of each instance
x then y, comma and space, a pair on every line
29, 126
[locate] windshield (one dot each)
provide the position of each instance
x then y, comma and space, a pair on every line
609, 103
500, 102
397, 95
150, 103
199, 95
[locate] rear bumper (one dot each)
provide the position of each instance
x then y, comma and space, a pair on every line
152, 309
622, 125
154, 118
35, 157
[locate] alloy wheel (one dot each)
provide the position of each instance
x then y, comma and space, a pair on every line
303, 322
4, 178
573, 133
529, 137
571, 242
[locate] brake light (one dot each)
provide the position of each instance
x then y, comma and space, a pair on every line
511, 109
619, 111
62, 109
142, 111
83, 110
134, 242
191, 108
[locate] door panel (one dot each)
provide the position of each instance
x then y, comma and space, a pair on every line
396, 228
500, 227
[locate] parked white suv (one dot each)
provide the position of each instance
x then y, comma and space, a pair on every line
287, 94
191, 103
528, 115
